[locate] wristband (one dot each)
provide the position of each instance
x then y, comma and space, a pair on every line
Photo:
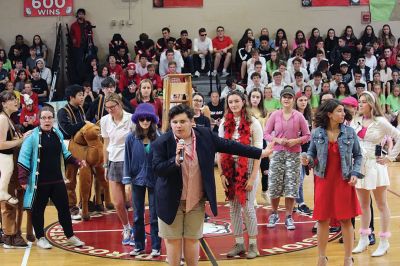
105, 165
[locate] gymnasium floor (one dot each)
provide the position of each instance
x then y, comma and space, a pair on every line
297, 256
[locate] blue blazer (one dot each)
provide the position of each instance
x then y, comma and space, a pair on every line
169, 181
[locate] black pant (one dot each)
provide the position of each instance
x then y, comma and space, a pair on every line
264, 165
58, 195
197, 63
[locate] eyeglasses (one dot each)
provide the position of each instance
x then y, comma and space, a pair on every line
220, 30
204, 34
46, 118
109, 108
145, 118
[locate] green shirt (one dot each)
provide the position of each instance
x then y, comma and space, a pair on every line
314, 101
272, 105
393, 102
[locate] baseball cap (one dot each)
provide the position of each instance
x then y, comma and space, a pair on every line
287, 90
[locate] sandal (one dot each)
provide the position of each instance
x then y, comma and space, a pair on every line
322, 260
348, 259
12, 201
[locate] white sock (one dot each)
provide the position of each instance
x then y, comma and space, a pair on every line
239, 240
253, 241
127, 226
224, 70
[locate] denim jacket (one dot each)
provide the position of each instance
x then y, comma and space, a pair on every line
349, 149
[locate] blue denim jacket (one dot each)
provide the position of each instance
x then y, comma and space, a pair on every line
349, 149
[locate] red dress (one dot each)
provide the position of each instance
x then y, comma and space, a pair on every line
334, 197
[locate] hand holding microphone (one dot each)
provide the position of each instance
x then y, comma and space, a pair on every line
304, 162
180, 151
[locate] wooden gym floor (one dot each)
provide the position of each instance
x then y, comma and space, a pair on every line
59, 257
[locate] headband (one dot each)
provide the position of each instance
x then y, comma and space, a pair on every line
369, 94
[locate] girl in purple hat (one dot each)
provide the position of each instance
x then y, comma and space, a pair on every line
139, 173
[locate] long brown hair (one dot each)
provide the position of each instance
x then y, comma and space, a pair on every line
247, 114
139, 97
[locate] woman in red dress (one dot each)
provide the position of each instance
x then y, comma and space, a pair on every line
335, 154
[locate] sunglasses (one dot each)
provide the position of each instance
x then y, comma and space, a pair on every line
145, 118
205, 34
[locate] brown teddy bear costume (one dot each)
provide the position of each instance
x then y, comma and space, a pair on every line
87, 145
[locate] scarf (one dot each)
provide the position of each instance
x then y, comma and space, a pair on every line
236, 174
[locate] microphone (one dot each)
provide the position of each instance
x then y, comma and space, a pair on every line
378, 150
182, 153
306, 168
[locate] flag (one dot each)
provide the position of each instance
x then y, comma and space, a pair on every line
384, 10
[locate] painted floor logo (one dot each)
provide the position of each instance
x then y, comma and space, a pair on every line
103, 234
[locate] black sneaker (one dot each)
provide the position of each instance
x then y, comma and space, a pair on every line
315, 227
335, 229
372, 239
206, 217
303, 208
75, 213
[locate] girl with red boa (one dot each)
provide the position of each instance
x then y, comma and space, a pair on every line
239, 175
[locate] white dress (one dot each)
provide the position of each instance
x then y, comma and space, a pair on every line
376, 175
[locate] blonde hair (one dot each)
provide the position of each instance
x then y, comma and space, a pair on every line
373, 102
114, 97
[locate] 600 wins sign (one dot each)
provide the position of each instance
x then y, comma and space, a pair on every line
41, 8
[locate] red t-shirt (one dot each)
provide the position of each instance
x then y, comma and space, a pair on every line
26, 115
221, 44
116, 71
34, 97
124, 81
156, 80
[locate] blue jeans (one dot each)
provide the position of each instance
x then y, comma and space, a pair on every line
138, 196
300, 199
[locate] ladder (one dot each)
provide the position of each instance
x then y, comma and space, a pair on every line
177, 90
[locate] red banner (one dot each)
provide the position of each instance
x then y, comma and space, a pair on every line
43, 8
312, 3
177, 3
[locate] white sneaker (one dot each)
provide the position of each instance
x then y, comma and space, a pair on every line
214, 73
74, 241
43, 243
155, 252
224, 74
209, 73
197, 74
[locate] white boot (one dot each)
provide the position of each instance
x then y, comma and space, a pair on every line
383, 245
363, 242
6, 171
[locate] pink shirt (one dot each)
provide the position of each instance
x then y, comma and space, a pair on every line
192, 189
296, 126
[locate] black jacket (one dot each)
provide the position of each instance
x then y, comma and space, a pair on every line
169, 182
70, 120
96, 109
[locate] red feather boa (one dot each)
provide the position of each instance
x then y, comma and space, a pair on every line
236, 176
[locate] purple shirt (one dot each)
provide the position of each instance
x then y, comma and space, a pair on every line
295, 127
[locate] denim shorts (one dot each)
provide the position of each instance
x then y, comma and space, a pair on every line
115, 171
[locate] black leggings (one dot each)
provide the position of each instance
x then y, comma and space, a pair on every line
264, 165
58, 195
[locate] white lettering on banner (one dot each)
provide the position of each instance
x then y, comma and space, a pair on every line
37, 8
